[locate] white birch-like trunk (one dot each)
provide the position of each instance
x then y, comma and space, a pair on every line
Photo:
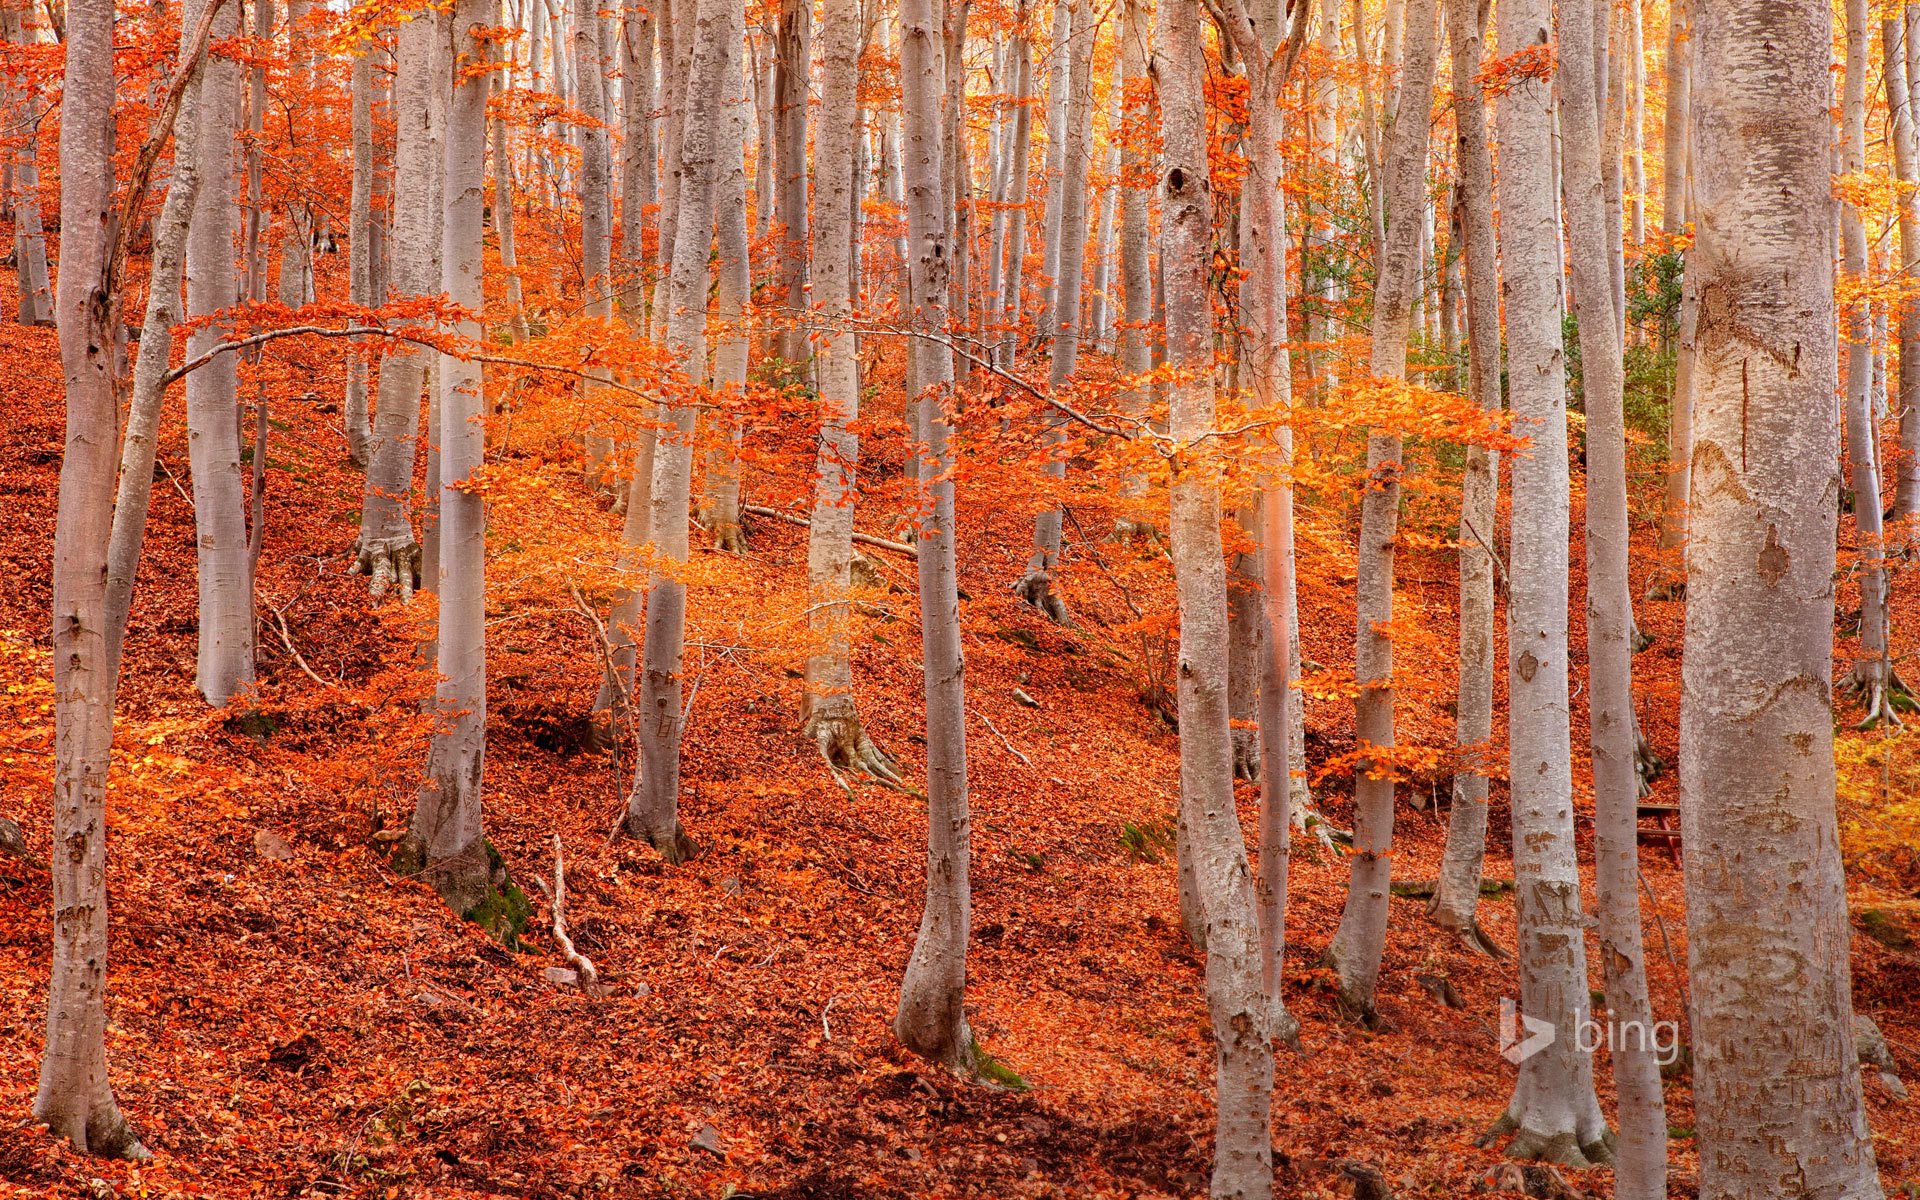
1137, 185
1640, 1167
296, 241
1361, 939
931, 1019
358, 418
793, 65
1059, 92
596, 220
225, 663
1553, 1114
639, 155
1456, 894
721, 502
1776, 1073
1237, 1000
29, 237
1013, 312
653, 807
1906, 170
388, 552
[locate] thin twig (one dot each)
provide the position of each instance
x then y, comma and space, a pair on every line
1011, 749
865, 539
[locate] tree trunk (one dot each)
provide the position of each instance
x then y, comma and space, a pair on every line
793, 64
653, 808
1776, 1073
1872, 679
1456, 894
1007, 344
639, 150
722, 498
296, 241
225, 664
596, 221
1673, 168
1640, 1170
1069, 204
1553, 1113
931, 1019
1100, 318
387, 551
1138, 183
1059, 93
1906, 156
1361, 939
75, 1097
1237, 1000
447, 839
29, 239
830, 718
360, 257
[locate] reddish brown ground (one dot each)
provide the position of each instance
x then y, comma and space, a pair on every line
319, 1027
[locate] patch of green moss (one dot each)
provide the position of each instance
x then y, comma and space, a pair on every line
504, 911
989, 1069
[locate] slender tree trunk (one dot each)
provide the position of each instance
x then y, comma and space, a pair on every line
1776, 1072
360, 257
596, 221
388, 552
1007, 347
1059, 93
1137, 187
1640, 1170
296, 241
639, 154
1069, 203
1872, 678
1673, 169
1100, 319
29, 238
502, 210
1456, 895
75, 1097
793, 50
1553, 1113
447, 839
722, 477
830, 718
653, 808
1237, 1000
1636, 108
1906, 156
213, 436
1361, 939
931, 1019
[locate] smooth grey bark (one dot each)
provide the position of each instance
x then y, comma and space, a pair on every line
1776, 1072
721, 501
225, 661
447, 836
959, 188
1361, 939
1906, 159
596, 219
793, 64
75, 1097
1554, 1114
1237, 1000
387, 550
1101, 308
1673, 167
931, 1019
29, 237
1269, 378
1059, 92
1872, 678
830, 718
502, 212
296, 241
639, 151
653, 807
1640, 1166
1012, 313
1069, 204
1456, 893
358, 418
1137, 183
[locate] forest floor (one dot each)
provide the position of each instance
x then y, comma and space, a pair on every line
289, 1018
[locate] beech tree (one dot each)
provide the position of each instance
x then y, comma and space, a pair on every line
1776, 1071
1361, 938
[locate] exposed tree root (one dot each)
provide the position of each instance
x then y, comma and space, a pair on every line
1880, 690
837, 733
673, 844
387, 561
1464, 927
1647, 765
729, 537
1352, 1004
1638, 638
1562, 1147
102, 1133
1246, 755
1665, 586
1036, 588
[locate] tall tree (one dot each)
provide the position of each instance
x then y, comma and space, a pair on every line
1361, 939
793, 66
1776, 1072
1012, 311
1456, 895
447, 839
388, 552
1640, 1172
1069, 203
1213, 845
359, 421
75, 1097
653, 807
830, 717
1906, 169
225, 664
35, 305
931, 1019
